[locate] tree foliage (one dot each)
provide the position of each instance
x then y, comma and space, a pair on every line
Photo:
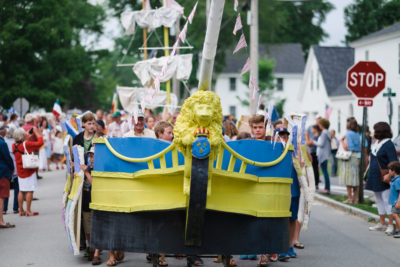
41, 55
367, 16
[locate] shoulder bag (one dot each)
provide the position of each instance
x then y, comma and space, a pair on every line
342, 154
29, 161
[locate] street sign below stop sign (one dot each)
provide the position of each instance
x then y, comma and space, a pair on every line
365, 102
366, 79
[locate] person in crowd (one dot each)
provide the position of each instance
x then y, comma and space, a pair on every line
6, 170
99, 115
231, 131
27, 178
164, 131
349, 169
118, 127
382, 153
138, 128
150, 122
174, 117
14, 120
58, 150
14, 180
313, 134
94, 254
294, 204
85, 138
100, 129
243, 135
3, 120
44, 128
334, 148
257, 125
394, 197
323, 150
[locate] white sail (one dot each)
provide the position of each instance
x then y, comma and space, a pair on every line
131, 97
150, 19
179, 66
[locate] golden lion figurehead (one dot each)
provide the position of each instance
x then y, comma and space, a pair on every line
201, 110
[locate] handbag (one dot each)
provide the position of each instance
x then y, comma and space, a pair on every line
343, 154
29, 161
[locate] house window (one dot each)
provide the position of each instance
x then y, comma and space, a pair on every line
232, 84
366, 55
312, 80
279, 84
232, 110
317, 80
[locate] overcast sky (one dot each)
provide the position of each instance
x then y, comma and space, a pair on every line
334, 24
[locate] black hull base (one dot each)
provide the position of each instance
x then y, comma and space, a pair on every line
164, 232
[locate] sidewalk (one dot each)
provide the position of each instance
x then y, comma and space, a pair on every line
340, 190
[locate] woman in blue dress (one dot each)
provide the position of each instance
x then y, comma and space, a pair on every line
382, 153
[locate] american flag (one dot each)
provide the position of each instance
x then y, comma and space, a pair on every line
235, 5
246, 67
191, 16
182, 35
238, 24
242, 43
328, 111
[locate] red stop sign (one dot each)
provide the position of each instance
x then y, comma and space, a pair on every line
366, 79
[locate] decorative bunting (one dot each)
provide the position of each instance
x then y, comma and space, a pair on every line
191, 16
182, 35
157, 84
235, 5
238, 24
246, 67
174, 48
242, 43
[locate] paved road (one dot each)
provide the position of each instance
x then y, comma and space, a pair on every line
333, 239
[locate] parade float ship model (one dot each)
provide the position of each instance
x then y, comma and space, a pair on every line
197, 195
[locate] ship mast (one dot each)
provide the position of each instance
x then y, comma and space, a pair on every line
210, 44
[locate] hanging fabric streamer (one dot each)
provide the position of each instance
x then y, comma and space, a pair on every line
303, 130
143, 105
294, 138
235, 5
191, 16
238, 24
246, 67
157, 85
182, 34
242, 43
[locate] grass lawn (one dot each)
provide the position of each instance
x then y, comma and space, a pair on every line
367, 205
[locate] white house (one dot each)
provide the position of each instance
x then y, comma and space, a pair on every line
288, 72
324, 83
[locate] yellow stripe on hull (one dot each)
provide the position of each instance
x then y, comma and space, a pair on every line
148, 190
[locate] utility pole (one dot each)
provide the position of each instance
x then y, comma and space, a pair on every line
254, 53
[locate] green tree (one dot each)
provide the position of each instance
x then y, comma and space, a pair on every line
367, 16
41, 55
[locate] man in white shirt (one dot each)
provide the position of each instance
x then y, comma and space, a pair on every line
138, 128
117, 128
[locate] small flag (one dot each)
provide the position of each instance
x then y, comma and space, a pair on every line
235, 5
238, 24
114, 103
246, 67
64, 127
79, 124
71, 129
57, 109
303, 130
242, 43
191, 16
182, 34
294, 140
11, 110
328, 111
174, 5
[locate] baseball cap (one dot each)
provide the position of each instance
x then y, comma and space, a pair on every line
116, 114
281, 130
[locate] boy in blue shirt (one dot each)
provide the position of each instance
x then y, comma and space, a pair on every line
394, 200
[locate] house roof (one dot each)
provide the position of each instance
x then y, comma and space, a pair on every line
390, 29
288, 58
333, 63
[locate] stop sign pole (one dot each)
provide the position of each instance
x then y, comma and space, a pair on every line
365, 80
